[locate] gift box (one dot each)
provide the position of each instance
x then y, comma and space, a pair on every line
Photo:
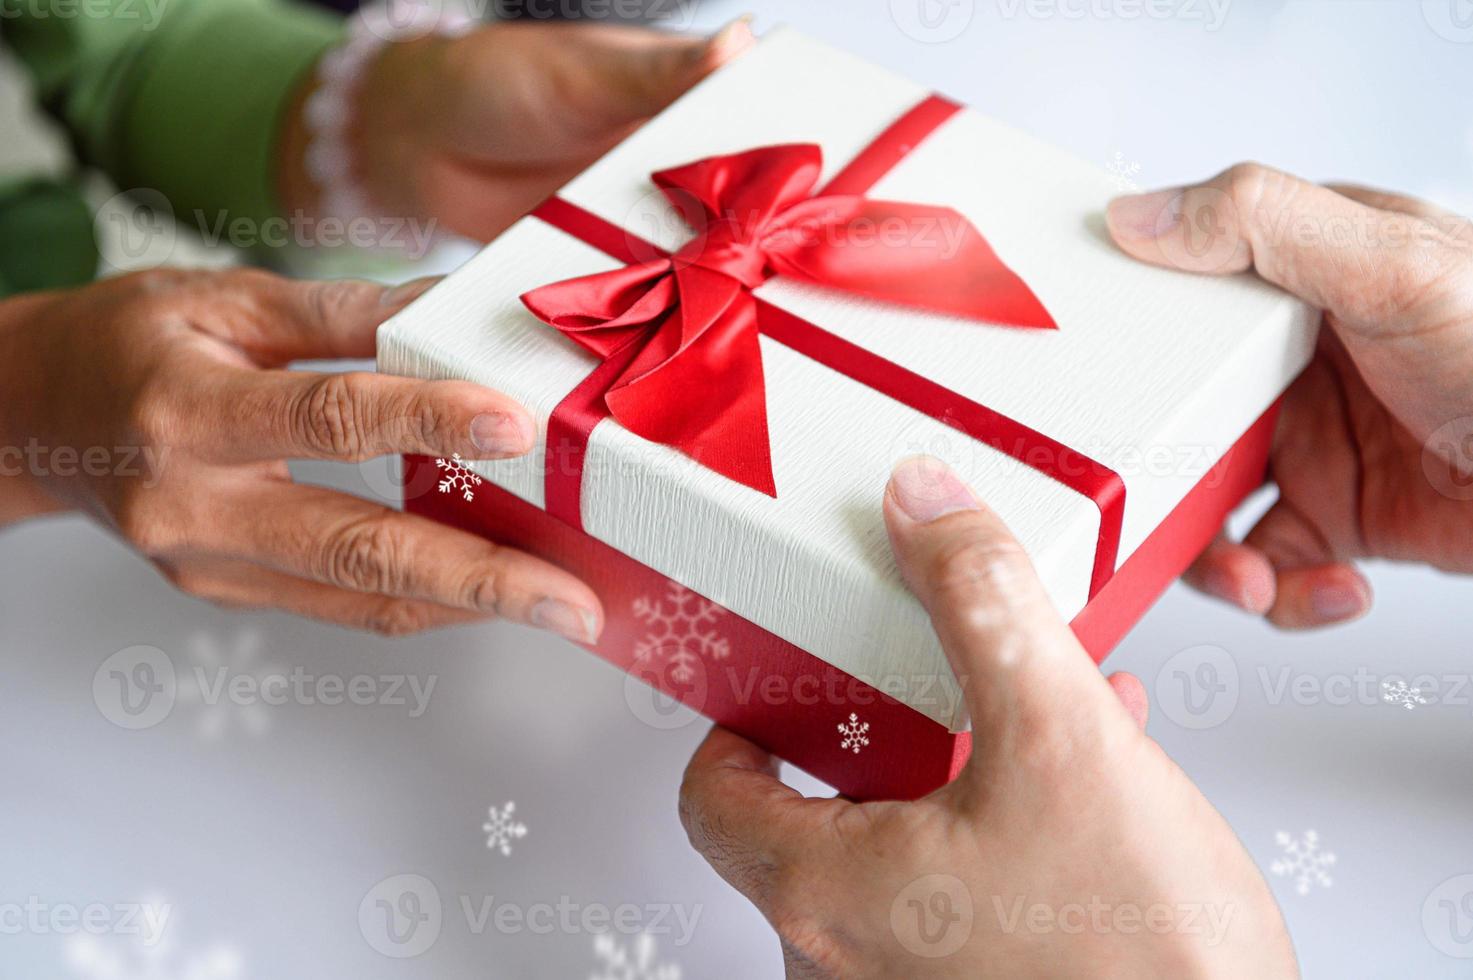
734, 324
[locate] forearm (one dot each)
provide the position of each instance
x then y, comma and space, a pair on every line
21, 493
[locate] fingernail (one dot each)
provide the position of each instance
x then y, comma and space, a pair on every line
1145, 216
573, 622
500, 434
1334, 603
1222, 584
404, 292
926, 488
733, 37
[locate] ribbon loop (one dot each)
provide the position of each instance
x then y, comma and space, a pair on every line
696, 383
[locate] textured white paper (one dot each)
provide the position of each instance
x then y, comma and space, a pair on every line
1151, 372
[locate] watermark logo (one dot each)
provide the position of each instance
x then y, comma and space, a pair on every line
1447, 917
932, 916
1198, 687
663, 692
932, 21
404, 915
143, 921
136, 228
135, 688
1447, 459
149, 12
1451, 20
1101, 917
1211, 14
139, 687
401, 916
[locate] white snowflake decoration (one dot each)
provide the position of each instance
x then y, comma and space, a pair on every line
1399, 693
855, 734
681, 631
130, 958
207, 685
1303, 860
1122, 173
502, 829
638, 963
458, 476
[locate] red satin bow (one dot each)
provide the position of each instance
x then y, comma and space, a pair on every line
688, 323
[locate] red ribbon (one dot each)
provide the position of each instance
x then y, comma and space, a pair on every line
678, 334
695, 383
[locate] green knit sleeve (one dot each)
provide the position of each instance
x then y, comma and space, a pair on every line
184, 97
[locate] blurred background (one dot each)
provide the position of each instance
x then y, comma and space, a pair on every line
266, 840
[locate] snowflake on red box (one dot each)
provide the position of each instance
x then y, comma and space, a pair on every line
682, 631
457, 476
854, 734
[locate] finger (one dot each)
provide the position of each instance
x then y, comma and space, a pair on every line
642, 71
243, 585
357, 545
277, 320
1132, 694
1365, 265
1375, 197
1234, 573
743, 820
1016, 660
1311, 587
261, 415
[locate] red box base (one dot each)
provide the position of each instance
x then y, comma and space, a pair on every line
782, 697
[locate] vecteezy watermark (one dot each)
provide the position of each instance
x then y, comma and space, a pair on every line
1451, 20
138, 688
932, 21
140, 228
148, 12
1210, 920
411, 236
38, 917
1447, 917
932, 916
401, 916
672, 14
1447, 459
1090, 456
404, 915
144, 463
1209, 13
1200, 687
1208, 228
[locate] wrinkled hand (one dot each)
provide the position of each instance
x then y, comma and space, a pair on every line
157, 403
1070, 845
1373, 456
474, 132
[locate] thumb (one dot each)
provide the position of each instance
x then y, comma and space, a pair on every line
742, 818
1362, 264
646, 70
1023, 672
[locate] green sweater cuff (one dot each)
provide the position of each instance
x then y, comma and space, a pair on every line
201, 122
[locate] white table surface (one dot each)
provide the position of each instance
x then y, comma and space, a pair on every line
264, 828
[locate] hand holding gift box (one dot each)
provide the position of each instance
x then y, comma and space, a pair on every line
1112, 445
